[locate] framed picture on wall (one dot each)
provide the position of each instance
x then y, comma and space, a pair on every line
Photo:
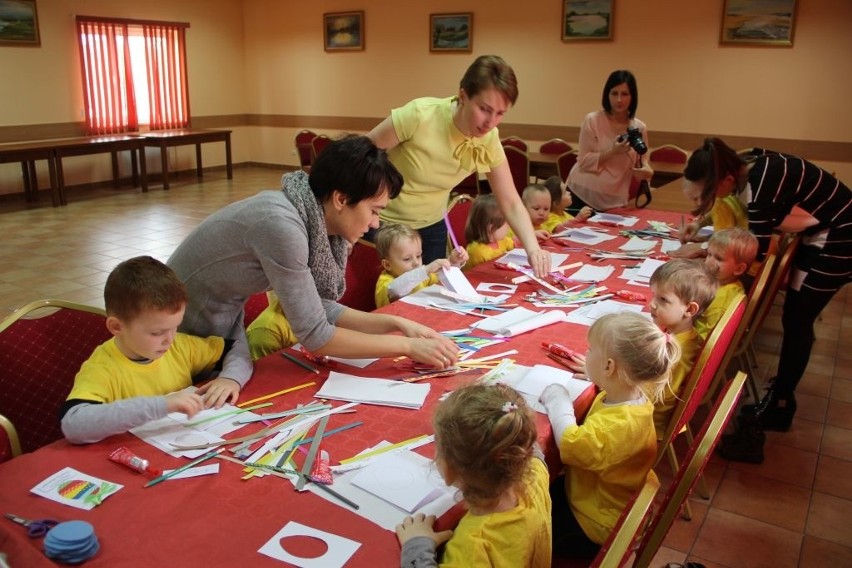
19, 23
451, 32
586, 19
768, 22
343, 31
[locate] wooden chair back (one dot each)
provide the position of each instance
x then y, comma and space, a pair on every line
304, 149
362, 272
457, 212
688, 472
10, 444
669, 153
514, 142
42, 346
318, 143
519, 165
555, 146
564, 163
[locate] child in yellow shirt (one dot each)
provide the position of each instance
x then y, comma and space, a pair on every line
560, 200
401, 251
681, 290
485, 445
536, 199
730, 252
270, 330
610, 454
486, 231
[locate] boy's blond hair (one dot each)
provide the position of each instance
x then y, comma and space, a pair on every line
142, 284
392, 233
737, 242
531, 190
689, 280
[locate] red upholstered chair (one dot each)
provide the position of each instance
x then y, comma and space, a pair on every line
514, 142
362, 272
10, 444
564, 163
317, 145
689, 471
254, 305
519, 165
669, 153
304, 149
457, 211
42, 346
555, 146
468, 186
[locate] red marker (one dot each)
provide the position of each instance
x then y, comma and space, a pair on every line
561, 350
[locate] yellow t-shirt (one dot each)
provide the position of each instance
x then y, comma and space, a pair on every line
520, 537
270, 331
108, 375
728, 212
690, 345
433, 156
725, 296
554, 220
383, 287
608, 458
483, 252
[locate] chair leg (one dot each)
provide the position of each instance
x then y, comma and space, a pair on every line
701, 488
686, 510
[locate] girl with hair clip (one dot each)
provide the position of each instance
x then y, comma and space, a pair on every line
610, 454
485, 445
486, 231
788, 194
607, 162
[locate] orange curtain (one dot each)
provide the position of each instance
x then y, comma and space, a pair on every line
165, 58
110, 106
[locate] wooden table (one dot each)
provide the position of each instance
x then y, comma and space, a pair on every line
27, 153
99, 145
542, 166
165, 139
221, 520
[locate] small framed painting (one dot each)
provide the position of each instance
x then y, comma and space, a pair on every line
768, 22
19, 23
451, 32
586, 19
343, 31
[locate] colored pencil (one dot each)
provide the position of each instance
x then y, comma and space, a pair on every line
183, 468
299, 362
450, 232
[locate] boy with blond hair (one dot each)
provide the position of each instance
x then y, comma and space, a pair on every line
681, 290
730, 253
401, 251
536, 198
140, 373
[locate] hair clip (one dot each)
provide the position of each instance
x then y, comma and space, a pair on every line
509, 406
668, 337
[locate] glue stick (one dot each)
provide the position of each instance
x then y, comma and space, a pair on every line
125, 457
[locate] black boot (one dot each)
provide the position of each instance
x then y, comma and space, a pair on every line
774, 411
746, 445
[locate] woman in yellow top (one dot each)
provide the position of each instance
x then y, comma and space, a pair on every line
437, 142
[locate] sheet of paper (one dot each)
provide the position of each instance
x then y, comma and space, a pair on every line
592, 273
621, 220
519, 320
194, 471
456, 282
497, 287
648, 266
669, 245
585, 236
635, 244
338, 549
587, 315
164, 432
383, 392
433, 296
533, 381
75, 489
519, 256
401, 481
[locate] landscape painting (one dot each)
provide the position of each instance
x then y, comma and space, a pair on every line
768, 22
586, 19
18, 23
343, 31
451, 32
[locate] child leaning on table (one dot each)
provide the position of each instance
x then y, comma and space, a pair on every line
485, 445
611, 453
138, 375
536, 199
681, 290
560, 200
401, 251
486, 231
730, 252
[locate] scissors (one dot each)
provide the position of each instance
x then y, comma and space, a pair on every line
35, 529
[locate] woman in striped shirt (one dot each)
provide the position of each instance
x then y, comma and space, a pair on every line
788, 194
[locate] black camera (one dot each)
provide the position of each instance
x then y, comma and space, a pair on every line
634, 136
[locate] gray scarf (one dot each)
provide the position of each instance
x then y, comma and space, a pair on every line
326, 254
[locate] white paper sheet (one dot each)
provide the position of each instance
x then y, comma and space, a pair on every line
519, 256
592, 273
194, 471
587, 315
383, 392
636, 244
456, 282
339, 549
518, 321
648, 266
669, 245
401, 480
585, 236
531, 382
621, 220
75, 488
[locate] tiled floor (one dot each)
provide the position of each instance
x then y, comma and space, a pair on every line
793, 510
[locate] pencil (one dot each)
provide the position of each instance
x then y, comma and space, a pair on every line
299, 362
450, 232
183, 468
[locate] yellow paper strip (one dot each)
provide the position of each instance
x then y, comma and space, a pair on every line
360, 457
279, 393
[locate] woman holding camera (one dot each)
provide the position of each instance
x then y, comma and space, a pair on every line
609, 139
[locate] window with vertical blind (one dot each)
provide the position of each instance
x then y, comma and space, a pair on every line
133, 73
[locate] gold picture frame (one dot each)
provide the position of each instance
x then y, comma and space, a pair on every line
587, 19
343, 31
19, 23
769, 22
451, 32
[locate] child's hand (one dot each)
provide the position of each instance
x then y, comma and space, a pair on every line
437, 265
542, 235
458, 257
689, 250
690, 232
219, 391
190, 403
420, 525
584, 214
